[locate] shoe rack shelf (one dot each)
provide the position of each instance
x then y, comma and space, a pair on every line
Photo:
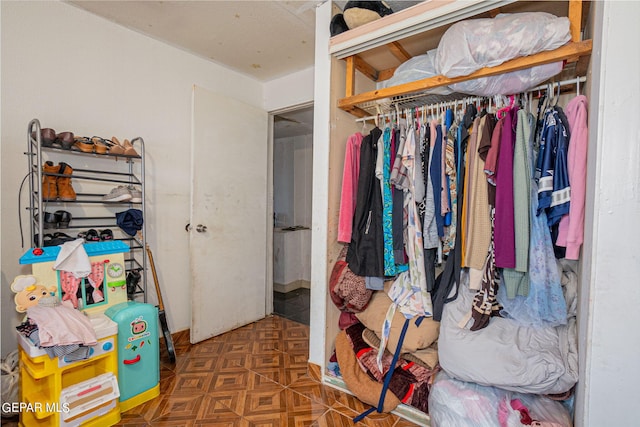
103, 171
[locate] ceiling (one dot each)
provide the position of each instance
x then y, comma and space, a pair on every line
262, 39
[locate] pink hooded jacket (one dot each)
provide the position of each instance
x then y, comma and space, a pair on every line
571, 228
349, 193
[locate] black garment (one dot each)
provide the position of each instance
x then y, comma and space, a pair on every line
450, 277
366, 250
397, 214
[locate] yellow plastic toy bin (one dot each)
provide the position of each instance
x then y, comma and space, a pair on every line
58, 392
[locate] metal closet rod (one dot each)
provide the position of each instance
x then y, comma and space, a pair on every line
474, 98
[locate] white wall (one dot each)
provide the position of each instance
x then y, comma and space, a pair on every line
75, 71
291, 90
610, 373
292, 178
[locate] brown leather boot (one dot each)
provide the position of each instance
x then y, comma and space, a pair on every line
49, 186
65, 190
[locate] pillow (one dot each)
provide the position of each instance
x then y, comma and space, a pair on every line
417, 337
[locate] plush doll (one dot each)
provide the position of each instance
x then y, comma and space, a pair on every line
357, 13
28, 293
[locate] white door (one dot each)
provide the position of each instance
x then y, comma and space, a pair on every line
228, 236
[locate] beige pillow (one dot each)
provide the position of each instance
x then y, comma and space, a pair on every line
416, 337
426, 357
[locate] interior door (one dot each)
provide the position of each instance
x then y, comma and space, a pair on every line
228, 236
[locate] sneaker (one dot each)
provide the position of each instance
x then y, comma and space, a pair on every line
136, 195
118, 194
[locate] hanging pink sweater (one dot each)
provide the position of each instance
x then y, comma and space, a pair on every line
350, 175
571, 228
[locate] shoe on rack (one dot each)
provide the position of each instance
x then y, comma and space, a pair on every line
49, 220
49, 183
84, 144
116, 147
63, 218
133, 277
65, 189
65, 139
106, 234
136, 194
118, 194
92, 236
100, 145
128, 148
47, 137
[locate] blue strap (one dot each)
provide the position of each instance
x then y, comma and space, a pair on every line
387, 378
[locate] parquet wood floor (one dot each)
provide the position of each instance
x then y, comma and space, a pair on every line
254, 376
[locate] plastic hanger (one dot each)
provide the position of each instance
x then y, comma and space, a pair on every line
503, 110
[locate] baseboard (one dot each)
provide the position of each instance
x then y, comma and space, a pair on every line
292, 286
314, 371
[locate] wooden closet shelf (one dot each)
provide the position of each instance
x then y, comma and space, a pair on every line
364, 104
430, 15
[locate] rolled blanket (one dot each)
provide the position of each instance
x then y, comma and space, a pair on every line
410, 382
357, 381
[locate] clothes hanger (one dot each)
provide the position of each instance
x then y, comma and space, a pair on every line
503, 110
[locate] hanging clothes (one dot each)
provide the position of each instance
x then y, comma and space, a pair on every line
436, 179
478, 232
516, 280
397, 220
409, 291
554, 191
571, 228
504, 221
545, 304
365, 255
452, 185
348, 196
390, 267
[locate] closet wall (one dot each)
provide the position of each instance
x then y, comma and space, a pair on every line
608, 368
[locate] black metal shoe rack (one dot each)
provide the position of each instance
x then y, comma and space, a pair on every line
102, 171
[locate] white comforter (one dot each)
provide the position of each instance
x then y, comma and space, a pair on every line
509, 356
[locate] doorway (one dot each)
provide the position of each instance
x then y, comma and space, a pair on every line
292, 191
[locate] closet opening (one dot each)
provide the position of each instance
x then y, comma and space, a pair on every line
292, 190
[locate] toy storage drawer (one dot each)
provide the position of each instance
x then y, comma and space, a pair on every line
88, 395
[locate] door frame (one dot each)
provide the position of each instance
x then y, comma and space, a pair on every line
269, 269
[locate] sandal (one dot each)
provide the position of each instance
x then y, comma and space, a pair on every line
92, 236
100, 145
106, 234
84, 144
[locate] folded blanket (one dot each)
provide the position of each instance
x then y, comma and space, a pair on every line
410, 382
357, 381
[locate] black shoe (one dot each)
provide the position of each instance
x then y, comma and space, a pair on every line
64, 218
133, 278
